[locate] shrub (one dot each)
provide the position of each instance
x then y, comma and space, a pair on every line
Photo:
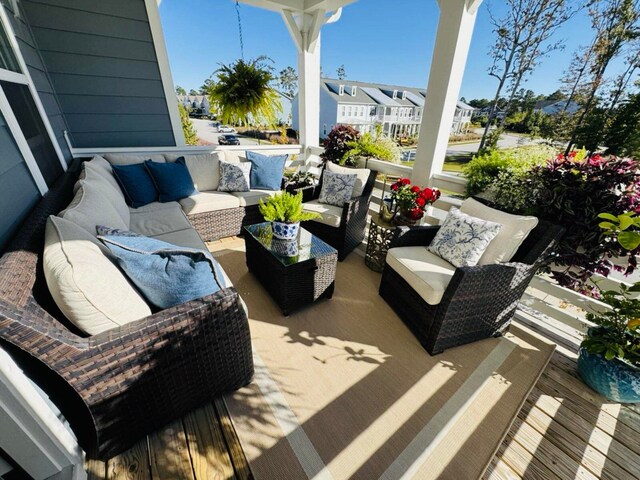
484, 170
190, 135
336, 143
369, 146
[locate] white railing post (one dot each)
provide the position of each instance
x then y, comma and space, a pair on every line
455, 28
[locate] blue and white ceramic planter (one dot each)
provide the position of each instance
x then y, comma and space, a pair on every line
285, 231
286, 248
616, 380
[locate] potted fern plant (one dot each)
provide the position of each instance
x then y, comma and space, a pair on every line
285, 212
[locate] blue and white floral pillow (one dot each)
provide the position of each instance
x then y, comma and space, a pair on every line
337, 188
462, 239
234, 177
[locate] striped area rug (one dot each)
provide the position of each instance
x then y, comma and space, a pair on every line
343, 389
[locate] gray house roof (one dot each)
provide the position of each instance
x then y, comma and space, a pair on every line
373, 93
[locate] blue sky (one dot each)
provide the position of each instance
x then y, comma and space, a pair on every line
376, 40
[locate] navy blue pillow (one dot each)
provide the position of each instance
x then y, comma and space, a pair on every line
266, 171
136, 184
172, 179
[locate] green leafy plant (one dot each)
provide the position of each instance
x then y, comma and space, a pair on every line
190, 135
299, 179
336, 145
618, 331
285, 207
242, 93
371, 146
624, 227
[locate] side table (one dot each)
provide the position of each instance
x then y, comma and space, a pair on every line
380, 235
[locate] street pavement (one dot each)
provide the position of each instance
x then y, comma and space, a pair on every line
208, 133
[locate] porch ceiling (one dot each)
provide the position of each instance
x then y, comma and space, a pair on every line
306, 6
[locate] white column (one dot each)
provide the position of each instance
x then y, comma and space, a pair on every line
309, 95
455, 28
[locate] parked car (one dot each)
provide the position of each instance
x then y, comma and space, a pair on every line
228, 140
226, 129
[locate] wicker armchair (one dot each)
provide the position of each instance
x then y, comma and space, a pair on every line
478, 302
350, 233
119, 385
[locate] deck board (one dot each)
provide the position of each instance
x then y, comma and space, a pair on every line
564, 431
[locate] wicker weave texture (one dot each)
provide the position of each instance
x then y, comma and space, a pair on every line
129, 381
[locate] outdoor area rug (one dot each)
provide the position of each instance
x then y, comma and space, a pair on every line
343, 390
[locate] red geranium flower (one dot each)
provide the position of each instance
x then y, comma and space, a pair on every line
416, 214
415, 189
405, 181
420, 201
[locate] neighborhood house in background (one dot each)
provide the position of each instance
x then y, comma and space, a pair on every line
364, 105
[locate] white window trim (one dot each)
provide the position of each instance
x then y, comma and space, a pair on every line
153, 14
353, 90
29, 82
341, 90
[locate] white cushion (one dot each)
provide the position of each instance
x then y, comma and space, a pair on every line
362, 175
183, 238
118, 159
253, 197
235, 156
203, 202
463, 239
103, 168
428, 274
87, 287
329, 214
91, 207
151, 222
515, 228
93, 177
204, 169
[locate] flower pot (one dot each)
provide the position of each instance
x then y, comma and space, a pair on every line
285, 231
402, 218
286, 248
616, 380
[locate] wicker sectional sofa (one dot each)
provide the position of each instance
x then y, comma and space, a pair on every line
117, 385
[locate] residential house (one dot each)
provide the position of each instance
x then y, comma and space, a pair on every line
553, 107
195, 103
396, 109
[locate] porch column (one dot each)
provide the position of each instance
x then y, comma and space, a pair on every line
455, 27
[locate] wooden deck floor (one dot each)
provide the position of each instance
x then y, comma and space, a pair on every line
564, 431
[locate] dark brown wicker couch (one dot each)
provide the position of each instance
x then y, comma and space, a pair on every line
479, 301
119, 385
350, 233
219, 224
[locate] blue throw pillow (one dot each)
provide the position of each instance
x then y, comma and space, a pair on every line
266, 171
167, 275
172, 179
136, 184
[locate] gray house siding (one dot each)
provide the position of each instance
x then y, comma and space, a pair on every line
18, 191
101, 60
41, 81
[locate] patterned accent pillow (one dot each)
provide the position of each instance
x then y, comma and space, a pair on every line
462, 239
234, 177
336, 188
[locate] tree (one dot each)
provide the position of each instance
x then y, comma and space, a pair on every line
190, 135
623, 136
180, 90
288, 81
194, 92
615, 23
340, 71
242, 93
204, 88
523, 39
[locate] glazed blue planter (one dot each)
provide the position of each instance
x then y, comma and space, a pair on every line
285, 231
616, 380
286, 248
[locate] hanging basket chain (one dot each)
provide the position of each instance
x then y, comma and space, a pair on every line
240, 30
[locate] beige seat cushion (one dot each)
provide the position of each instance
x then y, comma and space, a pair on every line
329, 214
183, 238
87, 287
103, 168
203, 202
428, 274
90, 207
150, 222
253, 197
204, 169
94, 177
515, 228
119, 159
362, 175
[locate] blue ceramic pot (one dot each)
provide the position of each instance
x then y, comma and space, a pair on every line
285, 231
286, 248
616, 380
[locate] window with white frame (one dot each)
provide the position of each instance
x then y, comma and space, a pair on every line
353, 90
349, 111
341, 90
343, 110
24, 113
395, 94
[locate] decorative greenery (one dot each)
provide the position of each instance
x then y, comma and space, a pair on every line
336, 145
371, 146
299, 179
285, 207
411, 200
190, 135
242, 92
618, 332
625, 228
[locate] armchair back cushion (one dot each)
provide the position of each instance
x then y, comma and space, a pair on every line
515, 229
462, 239
362, 175
94, 303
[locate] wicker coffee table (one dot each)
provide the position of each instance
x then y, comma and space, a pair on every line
295, 273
